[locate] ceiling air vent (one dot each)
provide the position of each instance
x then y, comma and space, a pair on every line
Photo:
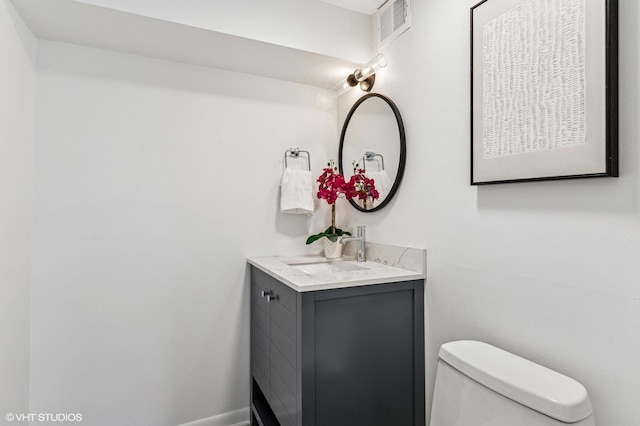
393, 18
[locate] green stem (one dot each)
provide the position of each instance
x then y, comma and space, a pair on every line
333, 218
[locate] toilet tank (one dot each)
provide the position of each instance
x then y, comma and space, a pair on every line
480, 385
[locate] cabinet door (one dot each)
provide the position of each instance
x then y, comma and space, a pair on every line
366, 351
261, 331
283, 353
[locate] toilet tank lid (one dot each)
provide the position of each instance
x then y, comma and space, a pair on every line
521, 380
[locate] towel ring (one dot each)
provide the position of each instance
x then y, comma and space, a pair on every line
369, 156
295, 153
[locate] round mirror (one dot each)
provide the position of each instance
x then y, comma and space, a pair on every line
373, 140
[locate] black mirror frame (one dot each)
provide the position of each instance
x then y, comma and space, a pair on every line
403, 149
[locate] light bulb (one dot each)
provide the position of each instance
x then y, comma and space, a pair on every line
371, 67
364, 77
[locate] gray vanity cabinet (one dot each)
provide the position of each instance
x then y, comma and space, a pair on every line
339, 357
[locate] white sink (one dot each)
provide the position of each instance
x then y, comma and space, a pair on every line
326, 267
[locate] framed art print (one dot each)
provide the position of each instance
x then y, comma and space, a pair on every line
543, 90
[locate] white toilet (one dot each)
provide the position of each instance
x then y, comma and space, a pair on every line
480, 385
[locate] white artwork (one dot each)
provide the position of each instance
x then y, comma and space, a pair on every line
534, 78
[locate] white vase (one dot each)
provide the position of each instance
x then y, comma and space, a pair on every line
332, 249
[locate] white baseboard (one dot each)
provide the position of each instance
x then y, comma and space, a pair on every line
234, 418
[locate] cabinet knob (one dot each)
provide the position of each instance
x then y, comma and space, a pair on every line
269, 295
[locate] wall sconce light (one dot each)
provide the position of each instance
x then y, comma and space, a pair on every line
365, 77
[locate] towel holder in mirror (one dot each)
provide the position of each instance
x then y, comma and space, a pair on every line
371, 156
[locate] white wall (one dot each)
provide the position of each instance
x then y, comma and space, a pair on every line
154, 181
547, 270
17, 76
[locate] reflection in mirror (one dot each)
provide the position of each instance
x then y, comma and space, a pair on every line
373, 138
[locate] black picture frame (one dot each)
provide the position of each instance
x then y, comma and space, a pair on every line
565, 129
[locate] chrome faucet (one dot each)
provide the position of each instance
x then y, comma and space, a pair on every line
362, 242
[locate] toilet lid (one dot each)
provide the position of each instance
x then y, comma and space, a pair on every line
521, 380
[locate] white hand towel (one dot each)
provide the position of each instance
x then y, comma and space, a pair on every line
296, 192
382, 181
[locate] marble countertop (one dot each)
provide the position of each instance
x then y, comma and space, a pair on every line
387, 264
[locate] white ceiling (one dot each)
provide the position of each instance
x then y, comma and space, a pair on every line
368, 7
